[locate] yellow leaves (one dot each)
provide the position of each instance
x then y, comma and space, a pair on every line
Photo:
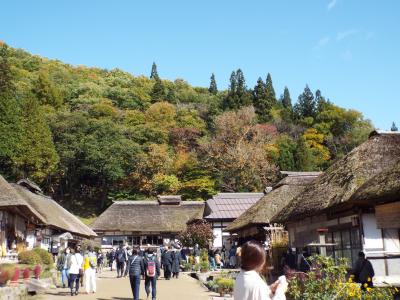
315, 141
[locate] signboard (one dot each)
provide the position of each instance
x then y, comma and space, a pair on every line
388, 215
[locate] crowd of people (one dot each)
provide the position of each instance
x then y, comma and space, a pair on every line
77, 266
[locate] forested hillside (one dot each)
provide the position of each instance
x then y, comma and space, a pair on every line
89, 135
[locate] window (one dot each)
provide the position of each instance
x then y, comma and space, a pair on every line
347, 244
153, 240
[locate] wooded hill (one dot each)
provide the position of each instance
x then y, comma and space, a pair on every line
90, 135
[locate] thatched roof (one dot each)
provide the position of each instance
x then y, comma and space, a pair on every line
269, 205
230, 206
148, 216
384, 187
343, 178
10, 198
53, 213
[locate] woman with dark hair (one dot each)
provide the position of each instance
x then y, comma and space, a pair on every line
249, 285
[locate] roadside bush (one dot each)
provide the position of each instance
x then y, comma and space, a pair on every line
226, 284
29, 258
45, 257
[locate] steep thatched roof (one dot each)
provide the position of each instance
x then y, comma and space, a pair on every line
381, 188
269, 205
10, 198
342, 179
148, 216
53, 213
229, 206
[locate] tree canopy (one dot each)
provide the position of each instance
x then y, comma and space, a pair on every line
89, 135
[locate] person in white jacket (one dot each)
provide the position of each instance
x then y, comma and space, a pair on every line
75, 262
249, 285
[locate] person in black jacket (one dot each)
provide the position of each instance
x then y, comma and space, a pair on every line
151, 267
121, 256
363, 271
136, 269
167, 263
176, 263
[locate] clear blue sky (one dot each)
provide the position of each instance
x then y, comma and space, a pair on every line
348, 49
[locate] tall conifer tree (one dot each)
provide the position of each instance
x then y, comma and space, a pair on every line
154, 73
286, 100
305, 106
394, 127
213, 85
260, 101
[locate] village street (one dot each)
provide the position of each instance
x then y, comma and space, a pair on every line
111, 288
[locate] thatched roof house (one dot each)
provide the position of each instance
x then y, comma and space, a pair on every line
354, 206
340, 181
54, 214
11, 200
148, 216
283, 192
383, 187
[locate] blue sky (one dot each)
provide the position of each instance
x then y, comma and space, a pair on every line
349, 49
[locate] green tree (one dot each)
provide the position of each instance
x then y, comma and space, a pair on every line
158, 92
213, 85
37, 157
270, 91
238, 95
46, 92
286, 100
305, 106
394, 127
303, 156
260, 100
154, 73
10, 115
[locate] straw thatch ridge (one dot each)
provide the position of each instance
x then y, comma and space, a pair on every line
344, 177
148, 216
10, 198
384, 187
54, 214
272, 203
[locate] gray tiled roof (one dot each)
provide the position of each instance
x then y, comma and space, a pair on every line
230, 205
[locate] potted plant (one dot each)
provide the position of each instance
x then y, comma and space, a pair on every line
204, 267
225, 285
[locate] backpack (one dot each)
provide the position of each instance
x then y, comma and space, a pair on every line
151, 269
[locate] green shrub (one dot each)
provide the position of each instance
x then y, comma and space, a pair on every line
204, 266
45, 257
29, 258
226, 284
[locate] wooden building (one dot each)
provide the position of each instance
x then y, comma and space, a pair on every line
223, 209
151, 222
256, 224
30, 219
353, 206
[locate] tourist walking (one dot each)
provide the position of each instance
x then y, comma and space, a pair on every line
196, 254
211, 259
136, 269
151, 268
363, 271
100, 261
176, 263
75, 262
121, 257
218, 259
166, 259
111, 258
62, 266
128, 255
232, 257
249, 285
89, 269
